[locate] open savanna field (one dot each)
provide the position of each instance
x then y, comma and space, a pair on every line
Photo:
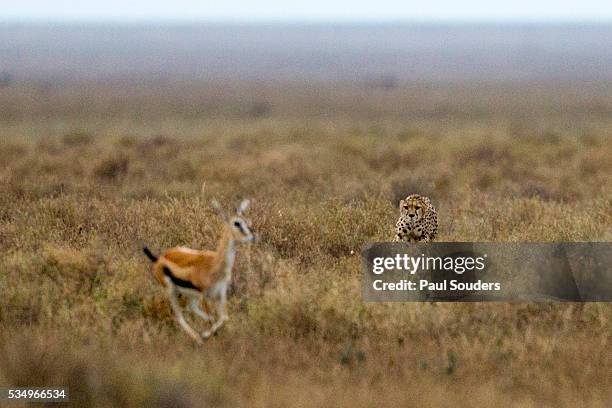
92, 171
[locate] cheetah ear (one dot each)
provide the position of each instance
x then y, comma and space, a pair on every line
401, 204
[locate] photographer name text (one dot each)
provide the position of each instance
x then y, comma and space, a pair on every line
411, 265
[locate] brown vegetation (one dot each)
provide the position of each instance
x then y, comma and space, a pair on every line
85, 185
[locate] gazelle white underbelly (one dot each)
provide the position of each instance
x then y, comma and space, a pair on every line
188, 292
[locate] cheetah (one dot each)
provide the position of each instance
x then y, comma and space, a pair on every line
418, 221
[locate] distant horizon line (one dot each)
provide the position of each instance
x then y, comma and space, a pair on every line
305, 21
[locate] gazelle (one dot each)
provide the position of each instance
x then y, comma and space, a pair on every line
202, 275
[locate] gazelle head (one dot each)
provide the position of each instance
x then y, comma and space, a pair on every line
238, 224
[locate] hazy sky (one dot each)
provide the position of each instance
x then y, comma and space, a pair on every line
307, 10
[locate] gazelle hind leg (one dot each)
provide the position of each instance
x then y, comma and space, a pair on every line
178, 313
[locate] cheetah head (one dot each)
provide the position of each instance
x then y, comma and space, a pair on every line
414, 207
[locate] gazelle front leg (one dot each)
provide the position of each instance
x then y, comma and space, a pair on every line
221, 317
194, 305
178, 313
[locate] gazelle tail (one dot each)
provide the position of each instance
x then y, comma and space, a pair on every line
149, 254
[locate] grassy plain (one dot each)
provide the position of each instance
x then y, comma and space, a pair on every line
89, 172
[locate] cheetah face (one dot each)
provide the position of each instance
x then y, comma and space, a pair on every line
412, 208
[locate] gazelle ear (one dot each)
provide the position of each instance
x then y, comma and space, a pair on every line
215, 204
243, 206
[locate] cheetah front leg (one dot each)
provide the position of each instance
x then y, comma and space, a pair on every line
399, 233
400, 236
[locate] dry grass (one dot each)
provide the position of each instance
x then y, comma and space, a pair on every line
83, 187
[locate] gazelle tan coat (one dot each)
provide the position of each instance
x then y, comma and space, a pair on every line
202, 275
